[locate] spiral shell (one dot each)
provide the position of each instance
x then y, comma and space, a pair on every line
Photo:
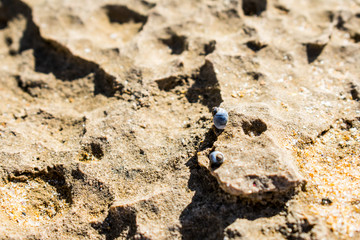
216, 158
220, 117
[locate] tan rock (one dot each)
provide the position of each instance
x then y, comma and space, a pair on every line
255, 166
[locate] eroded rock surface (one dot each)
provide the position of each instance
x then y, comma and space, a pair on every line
105, 104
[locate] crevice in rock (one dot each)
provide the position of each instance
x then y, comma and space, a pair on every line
343, 23
177, 44
249, 31
209, 47
255, 46
323, 132
8, 41
282, 8
313, 51
254, 7
209, 140
256, 75
28, 86
95, 147
96, 150
355, 37
340, 22
206, 89
352, 123
354, 92
147, 4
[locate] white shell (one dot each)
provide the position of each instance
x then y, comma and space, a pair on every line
220, 117
216, 158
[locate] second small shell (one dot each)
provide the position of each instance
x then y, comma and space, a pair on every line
216, 158
220, 117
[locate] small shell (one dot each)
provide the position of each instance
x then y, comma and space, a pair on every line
216, 158
220, 117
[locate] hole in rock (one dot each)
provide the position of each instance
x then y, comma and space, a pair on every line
282, 8
209, 47
122, 14
255, 75
354, 92
355, 37
8, 41
255, 45
254, 127
177, 44
94, 148
313, 51
253, 7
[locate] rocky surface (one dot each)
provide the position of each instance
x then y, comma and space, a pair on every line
255, 166
106, 125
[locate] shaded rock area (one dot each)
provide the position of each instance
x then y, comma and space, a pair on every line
106, 124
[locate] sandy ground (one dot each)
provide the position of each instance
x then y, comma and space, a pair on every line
106, 119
